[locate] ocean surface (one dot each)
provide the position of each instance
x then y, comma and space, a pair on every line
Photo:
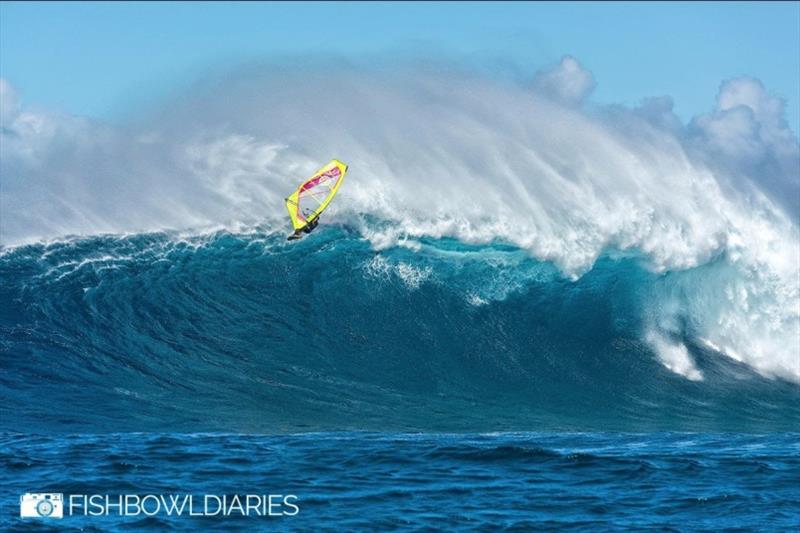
403, 481
439, 385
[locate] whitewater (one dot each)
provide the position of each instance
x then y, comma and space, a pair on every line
495, 243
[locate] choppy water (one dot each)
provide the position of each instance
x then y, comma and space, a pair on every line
389, 481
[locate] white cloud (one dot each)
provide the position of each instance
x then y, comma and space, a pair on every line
658, 111
568, 82
747, 135
747, 121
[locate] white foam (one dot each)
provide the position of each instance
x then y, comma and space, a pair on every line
412, 276
675, 356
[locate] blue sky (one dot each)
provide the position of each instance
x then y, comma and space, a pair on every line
106, 59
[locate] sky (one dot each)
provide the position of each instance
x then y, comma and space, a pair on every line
107, 60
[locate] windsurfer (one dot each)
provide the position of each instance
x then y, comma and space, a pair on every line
308, 228
312, 197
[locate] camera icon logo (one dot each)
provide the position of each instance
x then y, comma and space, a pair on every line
41, 505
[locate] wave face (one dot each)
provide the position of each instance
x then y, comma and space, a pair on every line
245, 332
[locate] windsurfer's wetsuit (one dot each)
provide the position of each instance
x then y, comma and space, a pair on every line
308, 228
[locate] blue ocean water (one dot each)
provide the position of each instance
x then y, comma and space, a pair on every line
386, 481
442, 385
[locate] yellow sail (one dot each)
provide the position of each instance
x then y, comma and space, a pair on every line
313, 195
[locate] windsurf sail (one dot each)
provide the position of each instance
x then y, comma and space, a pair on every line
313, 195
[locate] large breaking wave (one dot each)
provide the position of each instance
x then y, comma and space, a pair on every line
499, 254
250, 333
